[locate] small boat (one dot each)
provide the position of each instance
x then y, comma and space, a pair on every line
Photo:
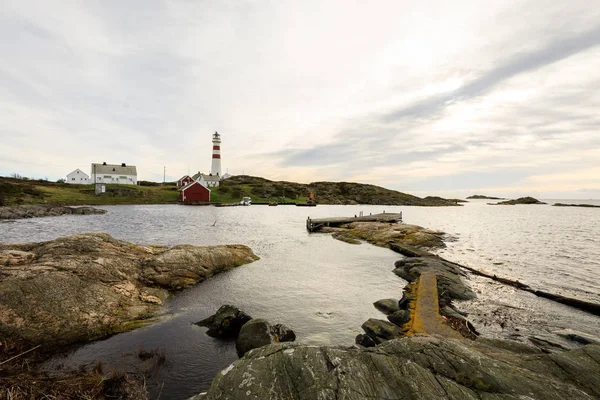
246, 201
309, 203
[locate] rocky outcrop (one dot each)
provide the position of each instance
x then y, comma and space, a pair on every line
226, 322
34, 211
422, 367
230, 322
521, 200
388, 235
580, 337
88, 286
449, 277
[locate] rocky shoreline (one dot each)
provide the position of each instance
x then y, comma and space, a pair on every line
85, 287
37, 211
426, 349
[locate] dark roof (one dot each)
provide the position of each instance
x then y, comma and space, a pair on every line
208, 178
113, 169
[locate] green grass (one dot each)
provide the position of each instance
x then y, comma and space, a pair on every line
22, 191
225, 194
14, 192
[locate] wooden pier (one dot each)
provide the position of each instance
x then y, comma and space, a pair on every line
313, 225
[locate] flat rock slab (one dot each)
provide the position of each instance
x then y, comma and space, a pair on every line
422, 367
578, 336
35, 211
88, 286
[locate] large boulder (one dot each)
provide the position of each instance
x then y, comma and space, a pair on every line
387, 306
422, 367
380, 330
283, 333
226, 322
399, 318
254, 334
259, 332
364, 340
85, 287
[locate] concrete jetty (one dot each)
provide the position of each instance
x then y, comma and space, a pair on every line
425, 315
313, 225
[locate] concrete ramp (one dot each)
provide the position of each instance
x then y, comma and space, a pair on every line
424, 311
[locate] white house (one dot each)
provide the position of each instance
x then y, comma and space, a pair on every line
209, 180
114, 173
78, 177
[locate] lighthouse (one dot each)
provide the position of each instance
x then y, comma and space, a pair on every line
216, 155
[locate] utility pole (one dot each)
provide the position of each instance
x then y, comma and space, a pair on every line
164, 174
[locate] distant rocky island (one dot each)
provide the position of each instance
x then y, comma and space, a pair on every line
520, 200
575, 205
482, 197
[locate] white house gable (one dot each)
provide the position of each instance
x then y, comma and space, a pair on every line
78, 177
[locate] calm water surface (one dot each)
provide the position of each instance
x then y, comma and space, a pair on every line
320, 287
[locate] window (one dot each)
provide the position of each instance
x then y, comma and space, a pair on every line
72, 179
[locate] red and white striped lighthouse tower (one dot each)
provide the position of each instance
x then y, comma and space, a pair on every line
216, 155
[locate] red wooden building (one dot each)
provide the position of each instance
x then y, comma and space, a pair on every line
194, 192
185, 180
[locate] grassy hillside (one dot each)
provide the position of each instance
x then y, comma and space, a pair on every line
18, 191
260, 189
21, 191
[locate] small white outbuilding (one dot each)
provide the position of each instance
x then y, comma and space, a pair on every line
78, 177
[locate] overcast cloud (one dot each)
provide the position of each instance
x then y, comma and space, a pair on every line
428, 97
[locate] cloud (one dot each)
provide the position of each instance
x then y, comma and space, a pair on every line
407, 96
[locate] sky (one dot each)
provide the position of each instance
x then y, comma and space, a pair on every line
445, 98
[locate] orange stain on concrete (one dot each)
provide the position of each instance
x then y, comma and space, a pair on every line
424, 310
